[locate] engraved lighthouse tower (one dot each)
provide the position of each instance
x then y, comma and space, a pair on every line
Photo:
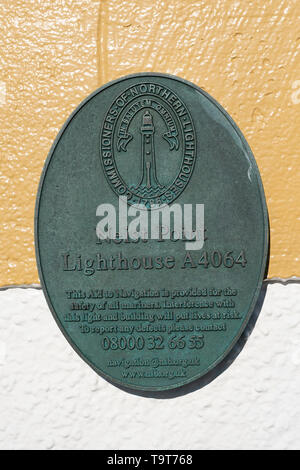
149, 179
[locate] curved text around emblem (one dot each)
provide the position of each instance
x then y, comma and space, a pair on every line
148, 145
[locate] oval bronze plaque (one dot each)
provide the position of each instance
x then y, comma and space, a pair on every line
151, 232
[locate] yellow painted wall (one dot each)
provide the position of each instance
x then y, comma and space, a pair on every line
48, 53
55, 52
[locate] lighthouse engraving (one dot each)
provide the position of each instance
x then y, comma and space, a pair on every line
148, 145
149, 178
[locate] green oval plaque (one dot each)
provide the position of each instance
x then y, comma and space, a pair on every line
151, 232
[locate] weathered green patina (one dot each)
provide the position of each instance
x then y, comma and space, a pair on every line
151, 314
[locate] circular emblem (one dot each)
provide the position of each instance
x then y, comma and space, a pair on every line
148, 144
151, 232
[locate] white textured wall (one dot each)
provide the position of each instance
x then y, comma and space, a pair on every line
50, 399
